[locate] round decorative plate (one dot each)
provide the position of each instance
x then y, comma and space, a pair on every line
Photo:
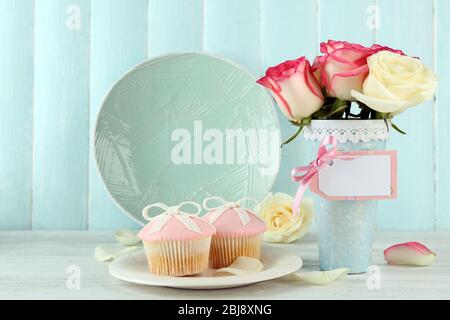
184, 127
277, 263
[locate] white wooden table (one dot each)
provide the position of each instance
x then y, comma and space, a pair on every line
34, 265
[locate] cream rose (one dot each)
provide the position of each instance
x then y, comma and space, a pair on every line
282, 225
396, 83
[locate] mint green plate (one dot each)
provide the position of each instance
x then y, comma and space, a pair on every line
184, 127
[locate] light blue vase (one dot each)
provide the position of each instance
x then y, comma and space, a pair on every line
345, 228
345, 231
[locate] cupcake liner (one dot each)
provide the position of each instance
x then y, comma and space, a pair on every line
178, 258
225, 250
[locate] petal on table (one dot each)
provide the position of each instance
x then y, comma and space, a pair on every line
410, 253
320, 277
127, 237
242, 265
109, 253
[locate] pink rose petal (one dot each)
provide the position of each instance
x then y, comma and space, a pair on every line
343, 66
295, 88
409, 253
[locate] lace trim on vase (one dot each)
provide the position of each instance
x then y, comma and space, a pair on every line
347, 130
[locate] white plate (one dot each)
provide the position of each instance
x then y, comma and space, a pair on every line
277, 263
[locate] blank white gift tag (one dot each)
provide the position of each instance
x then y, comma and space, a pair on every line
369, 175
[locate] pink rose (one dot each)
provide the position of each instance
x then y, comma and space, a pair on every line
343, 67
295, 89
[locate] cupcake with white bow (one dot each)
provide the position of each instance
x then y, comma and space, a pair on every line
176, 243
239, 231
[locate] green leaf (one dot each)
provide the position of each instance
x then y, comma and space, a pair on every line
397, 128
338, 108
300, 128
321, 114
338, 103
333, 110
377, 115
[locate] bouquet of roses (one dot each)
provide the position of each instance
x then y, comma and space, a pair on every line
383, 82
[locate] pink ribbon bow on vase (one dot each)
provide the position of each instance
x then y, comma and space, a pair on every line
305, 174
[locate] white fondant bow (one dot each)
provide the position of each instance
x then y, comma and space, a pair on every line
236, 206
172, 212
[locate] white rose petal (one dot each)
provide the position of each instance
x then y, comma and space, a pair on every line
282, 225
410, 253
242, 265
320, 277
109, 253
381, 105
127, 237
396, 83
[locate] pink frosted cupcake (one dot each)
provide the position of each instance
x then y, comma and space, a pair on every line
176, 243
239, 233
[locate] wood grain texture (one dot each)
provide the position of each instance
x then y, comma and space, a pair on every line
442, 116
61, 114
119, 42
414, 208
174, 26
52, 253
16, 108
348, 20
232, 30
286, 37
254, 33
339, 20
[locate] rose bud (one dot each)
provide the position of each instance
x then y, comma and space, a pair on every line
295, 89
410, 253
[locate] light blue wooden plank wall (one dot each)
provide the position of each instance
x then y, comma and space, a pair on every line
232, 29
410, 28
442, 116
118, 42
74, 68
287, 35
332, 16
174, 25
61, 114
346, 20
16, 105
